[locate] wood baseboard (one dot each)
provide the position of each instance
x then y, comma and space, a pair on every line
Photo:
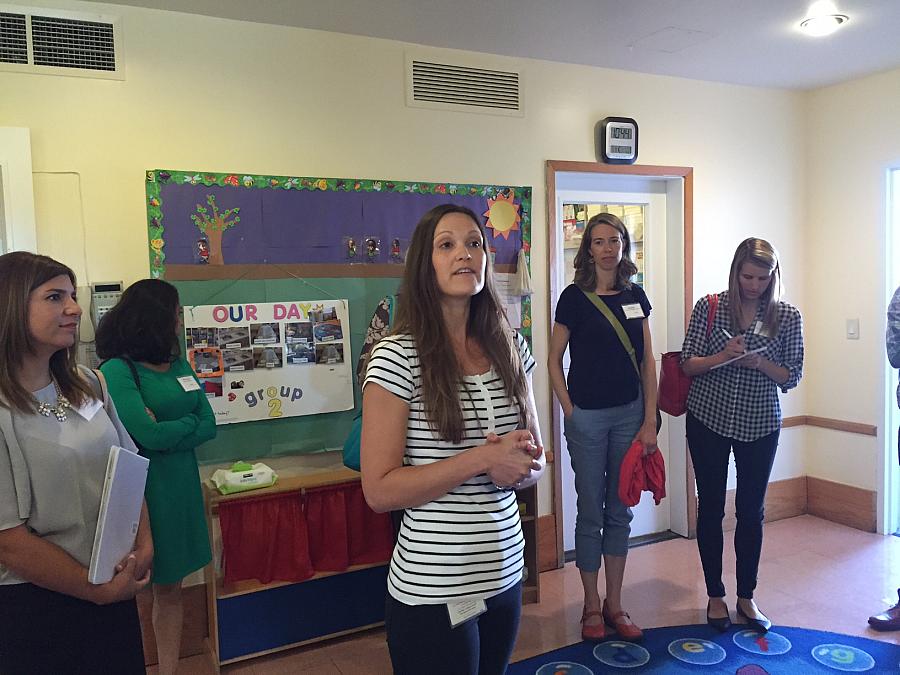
841, 503
784, 499
830, 423
195, 626
546, 547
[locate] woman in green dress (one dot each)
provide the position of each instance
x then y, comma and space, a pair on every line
164, 408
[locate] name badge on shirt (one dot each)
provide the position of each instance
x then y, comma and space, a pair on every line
759, 329
90, 408
188, 383
463, 610
633, 311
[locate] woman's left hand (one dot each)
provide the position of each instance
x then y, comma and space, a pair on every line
143, 560
647, 436
752, 361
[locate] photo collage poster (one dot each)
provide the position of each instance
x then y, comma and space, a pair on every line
261, 361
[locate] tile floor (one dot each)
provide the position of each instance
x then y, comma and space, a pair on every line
813, 574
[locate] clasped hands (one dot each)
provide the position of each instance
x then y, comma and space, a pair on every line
513, 456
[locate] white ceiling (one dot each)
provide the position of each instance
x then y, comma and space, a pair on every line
751, 42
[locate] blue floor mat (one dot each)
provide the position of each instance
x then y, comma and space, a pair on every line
699, 648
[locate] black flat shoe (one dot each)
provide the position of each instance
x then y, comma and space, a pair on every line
761, 624
720, 623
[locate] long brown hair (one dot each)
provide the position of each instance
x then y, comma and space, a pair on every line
20, 274
586, 273
419, 314
761, 253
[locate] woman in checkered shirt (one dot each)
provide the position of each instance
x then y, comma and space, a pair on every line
753, 349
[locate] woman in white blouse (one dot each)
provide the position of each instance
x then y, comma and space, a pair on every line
449, 431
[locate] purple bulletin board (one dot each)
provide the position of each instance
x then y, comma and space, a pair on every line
214, 225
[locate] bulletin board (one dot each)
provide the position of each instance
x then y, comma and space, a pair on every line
231, 238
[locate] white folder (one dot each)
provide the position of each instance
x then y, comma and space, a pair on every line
120, 512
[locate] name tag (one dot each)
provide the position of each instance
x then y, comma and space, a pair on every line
463, 610
633, 311
759, 329
90, 408
188, 383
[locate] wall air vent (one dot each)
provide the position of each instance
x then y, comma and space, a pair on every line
461, 87
73, 44
60, 43
13, 38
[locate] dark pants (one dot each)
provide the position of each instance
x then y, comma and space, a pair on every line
44, 632
753, 459
421, 639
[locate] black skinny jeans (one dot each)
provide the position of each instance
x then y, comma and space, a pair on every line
421, 640
753, 459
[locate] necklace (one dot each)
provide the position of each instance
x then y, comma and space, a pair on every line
60, 410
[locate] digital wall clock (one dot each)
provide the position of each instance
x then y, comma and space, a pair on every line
617, 140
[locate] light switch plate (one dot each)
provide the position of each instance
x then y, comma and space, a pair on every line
853, 329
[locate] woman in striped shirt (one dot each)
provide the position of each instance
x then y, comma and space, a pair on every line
448, 443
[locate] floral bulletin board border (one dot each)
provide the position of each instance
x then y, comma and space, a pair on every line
202, 218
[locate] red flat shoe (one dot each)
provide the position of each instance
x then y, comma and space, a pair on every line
592, 633
623, 625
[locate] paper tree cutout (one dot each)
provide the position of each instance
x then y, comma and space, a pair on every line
503, 214
214, 226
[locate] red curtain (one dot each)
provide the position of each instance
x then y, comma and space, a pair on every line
290, 536
326, 515
370, 534
265, 538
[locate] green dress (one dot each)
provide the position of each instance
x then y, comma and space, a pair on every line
184, 420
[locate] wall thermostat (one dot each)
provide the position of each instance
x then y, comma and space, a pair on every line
617, 140
104, 296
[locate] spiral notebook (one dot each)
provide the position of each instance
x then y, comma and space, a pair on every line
120, 512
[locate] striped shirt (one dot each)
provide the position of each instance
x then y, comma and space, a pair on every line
467, 543
735, 402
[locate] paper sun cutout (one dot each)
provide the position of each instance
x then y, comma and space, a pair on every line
503, 215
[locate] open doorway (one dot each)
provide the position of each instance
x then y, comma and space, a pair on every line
889, 508
660, 201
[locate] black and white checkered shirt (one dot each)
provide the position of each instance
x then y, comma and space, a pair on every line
735, 402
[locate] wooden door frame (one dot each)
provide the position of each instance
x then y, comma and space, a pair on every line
649, 171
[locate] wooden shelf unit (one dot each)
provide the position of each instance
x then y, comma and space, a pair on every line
351, 583
531, 584
270, 617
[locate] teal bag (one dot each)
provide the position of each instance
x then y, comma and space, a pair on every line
379, 326
351, 445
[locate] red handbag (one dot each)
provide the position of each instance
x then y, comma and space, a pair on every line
674, 384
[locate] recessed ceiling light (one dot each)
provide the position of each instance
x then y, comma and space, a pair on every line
822, 19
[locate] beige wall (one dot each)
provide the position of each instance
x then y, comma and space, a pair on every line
219, 95
845, 269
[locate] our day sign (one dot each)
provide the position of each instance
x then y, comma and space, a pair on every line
270, 360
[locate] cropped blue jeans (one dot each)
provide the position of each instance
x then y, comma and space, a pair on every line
597, 442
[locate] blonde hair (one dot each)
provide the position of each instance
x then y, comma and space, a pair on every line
761, 253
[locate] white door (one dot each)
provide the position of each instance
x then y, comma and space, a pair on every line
645, 205
17, 228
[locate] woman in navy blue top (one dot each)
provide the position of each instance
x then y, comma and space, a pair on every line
608, 404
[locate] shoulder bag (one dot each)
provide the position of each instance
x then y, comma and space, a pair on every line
674, 384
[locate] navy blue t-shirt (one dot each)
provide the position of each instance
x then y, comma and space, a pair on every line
601, 374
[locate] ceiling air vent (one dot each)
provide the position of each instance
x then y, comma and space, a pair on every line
60, 43
460, 87
13, 38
